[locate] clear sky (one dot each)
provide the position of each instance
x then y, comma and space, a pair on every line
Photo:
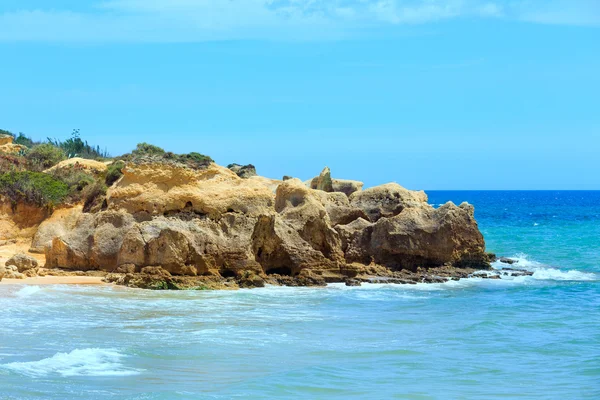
432, 94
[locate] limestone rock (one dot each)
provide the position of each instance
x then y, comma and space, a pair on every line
243, 171
387, 200
8, 147
83, 164
2, 272
20, 220
6, 139
323, 181
22, 262
428, 237
169, 226
58, 224
159, 189
11, 272
346, 186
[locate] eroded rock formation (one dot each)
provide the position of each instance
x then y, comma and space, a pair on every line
213, 223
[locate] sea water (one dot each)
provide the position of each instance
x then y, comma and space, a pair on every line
532, 337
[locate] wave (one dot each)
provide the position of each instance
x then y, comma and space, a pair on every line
28, 291
545, 272
84, 362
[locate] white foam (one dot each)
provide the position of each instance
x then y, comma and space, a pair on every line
552, 274
28, 291
85, 362
544, 272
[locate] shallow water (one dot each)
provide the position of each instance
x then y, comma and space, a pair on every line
528, 337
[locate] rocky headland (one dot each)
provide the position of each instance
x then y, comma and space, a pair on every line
183, 222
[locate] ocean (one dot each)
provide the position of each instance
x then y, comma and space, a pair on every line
532, 337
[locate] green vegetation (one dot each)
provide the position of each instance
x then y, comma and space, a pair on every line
25, 177
76, 147
115, 171
94, 197
145, 152
145, 149
9, 162
44, 156
34, 188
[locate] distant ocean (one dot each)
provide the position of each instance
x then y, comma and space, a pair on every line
532, 337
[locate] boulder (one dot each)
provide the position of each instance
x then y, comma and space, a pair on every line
11, 272
58, 224
22, 262
243, 171
428, 237
2, 272
387, 200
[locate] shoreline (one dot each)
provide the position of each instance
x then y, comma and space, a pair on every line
56, 280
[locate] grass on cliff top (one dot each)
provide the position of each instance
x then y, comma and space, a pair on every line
34, 188
40, 156
148, 153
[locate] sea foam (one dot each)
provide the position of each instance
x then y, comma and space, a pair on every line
28, 291
546, 273
84, 362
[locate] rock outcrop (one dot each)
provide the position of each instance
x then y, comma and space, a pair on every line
210, 224
90, 166
22, 262
346, 186
323, 181
387, 200
8, 147
243, 171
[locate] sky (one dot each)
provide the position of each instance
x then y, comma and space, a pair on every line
432, 94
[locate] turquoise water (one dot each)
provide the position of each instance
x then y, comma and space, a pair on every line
530, 337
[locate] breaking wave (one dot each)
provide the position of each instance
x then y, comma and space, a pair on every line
28, 291
85, 362
545, 272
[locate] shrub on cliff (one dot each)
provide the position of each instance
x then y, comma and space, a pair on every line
148, 153
24, 140
44, 156
33, 188
76, 179
10, 162
77, 147
146, 149
94, 197
114, 172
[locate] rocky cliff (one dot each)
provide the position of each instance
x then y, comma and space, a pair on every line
168, 223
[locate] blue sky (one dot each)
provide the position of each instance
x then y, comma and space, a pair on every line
432, 94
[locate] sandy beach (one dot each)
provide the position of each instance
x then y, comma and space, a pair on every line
56, 280
22, 246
